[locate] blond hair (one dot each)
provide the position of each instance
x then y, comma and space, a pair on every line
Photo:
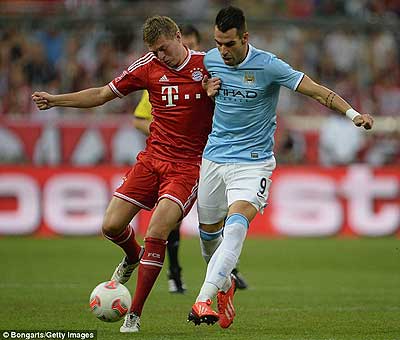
157, 26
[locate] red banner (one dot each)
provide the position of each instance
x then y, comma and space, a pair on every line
66, 142
304, 201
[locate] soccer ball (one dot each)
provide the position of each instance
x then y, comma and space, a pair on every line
110, 301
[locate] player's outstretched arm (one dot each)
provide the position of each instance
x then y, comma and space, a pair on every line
333, 101
211, 85
83, 99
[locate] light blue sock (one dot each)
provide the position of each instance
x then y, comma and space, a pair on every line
225, 257
209, 243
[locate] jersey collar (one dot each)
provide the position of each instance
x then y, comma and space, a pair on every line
181, 66
249, 52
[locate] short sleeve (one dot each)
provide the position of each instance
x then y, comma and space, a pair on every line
133, 78
283, 74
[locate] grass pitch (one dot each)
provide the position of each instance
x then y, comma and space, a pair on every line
300, 289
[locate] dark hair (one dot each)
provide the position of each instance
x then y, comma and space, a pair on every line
231, 17
190, 30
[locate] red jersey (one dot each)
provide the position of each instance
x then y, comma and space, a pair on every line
182, 111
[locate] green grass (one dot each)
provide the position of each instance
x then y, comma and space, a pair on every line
311, 289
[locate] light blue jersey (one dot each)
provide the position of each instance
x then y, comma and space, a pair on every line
244, 121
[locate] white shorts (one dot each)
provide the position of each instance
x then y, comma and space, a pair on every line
223, 184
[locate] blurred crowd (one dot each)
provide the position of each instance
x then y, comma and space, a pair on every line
361, 62
57, 60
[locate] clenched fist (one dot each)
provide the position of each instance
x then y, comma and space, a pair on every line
43, 100
364, 120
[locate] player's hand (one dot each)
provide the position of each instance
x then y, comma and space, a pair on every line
364, 120
211, 85
42, 100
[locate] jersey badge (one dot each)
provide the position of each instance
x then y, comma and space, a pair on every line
249, 78
197, 73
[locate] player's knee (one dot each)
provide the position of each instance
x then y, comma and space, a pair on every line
111, 226
211, 228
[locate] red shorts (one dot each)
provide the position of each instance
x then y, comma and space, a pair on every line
151, 179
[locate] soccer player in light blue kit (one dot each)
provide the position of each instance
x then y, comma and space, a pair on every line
238, 159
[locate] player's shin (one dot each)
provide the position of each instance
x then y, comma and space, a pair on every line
227, 255
209, 242
149, 269
219, 276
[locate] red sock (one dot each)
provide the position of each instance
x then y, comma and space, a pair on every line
149, 268
126, 240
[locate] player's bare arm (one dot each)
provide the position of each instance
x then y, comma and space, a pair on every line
333, 101
83, 99
211, 85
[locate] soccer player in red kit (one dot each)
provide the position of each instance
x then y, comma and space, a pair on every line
166, 173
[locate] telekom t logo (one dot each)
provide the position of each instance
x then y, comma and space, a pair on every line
172, 94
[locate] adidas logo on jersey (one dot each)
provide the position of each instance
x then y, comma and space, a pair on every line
163, 78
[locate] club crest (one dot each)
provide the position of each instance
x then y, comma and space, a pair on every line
249, 78
197, 74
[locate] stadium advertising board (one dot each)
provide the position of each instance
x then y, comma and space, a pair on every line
304, 201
